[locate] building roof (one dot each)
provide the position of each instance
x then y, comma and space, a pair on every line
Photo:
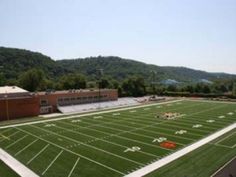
11, 89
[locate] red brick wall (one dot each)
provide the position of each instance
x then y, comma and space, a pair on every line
52, 97
19, 108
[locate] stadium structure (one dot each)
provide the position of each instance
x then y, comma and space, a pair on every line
16, 102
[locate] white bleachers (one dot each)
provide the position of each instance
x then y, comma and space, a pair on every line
95, 106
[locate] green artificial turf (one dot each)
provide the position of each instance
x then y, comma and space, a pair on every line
5, 171
117, 143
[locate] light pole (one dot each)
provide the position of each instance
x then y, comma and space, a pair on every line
7, 106
153, 81
1, 67
100, 73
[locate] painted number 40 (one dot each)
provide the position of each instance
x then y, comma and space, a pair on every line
180, 132
133, 149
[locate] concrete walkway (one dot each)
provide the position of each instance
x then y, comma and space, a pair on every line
164, 161
15, 165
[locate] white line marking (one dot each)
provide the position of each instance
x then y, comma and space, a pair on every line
25, 147
166, 160
102, 150
222, 167
15, 165
74, 167
218, 142
91, 160
52, 162
10, 145
45, 147
10, 135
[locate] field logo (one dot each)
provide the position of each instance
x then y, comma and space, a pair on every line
181, 132
159, 140
168, 144
133, 149
197, 126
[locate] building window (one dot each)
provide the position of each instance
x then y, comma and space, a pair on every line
43, 102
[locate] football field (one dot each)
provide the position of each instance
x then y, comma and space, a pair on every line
117, 142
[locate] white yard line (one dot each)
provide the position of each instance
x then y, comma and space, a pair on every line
117, 135
220, 145
74, 167
222, 167
45, 147
89, 114
10, 136
88, 145
52, 162
225, 138
103, 139
166, 160
10, 145
72, 152
15, 165
25, 147
211, 101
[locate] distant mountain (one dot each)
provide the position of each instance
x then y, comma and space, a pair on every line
119, 68
13, 62
16, 61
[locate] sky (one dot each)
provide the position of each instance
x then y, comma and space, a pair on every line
199, 34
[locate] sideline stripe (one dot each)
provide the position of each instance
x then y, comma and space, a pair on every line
15, 165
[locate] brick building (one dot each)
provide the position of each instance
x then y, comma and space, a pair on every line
17, 103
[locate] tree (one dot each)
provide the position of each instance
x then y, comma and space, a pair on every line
31, 79
72, 81
134, 86
234, 89
2, 79
104, 83
206, 89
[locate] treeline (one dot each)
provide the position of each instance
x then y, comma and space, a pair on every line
36, 80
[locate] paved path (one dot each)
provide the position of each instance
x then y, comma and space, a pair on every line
15, 165
164, 161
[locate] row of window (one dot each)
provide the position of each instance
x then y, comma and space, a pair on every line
76, 100
80, 100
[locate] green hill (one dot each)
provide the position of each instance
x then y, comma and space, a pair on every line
16, 61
